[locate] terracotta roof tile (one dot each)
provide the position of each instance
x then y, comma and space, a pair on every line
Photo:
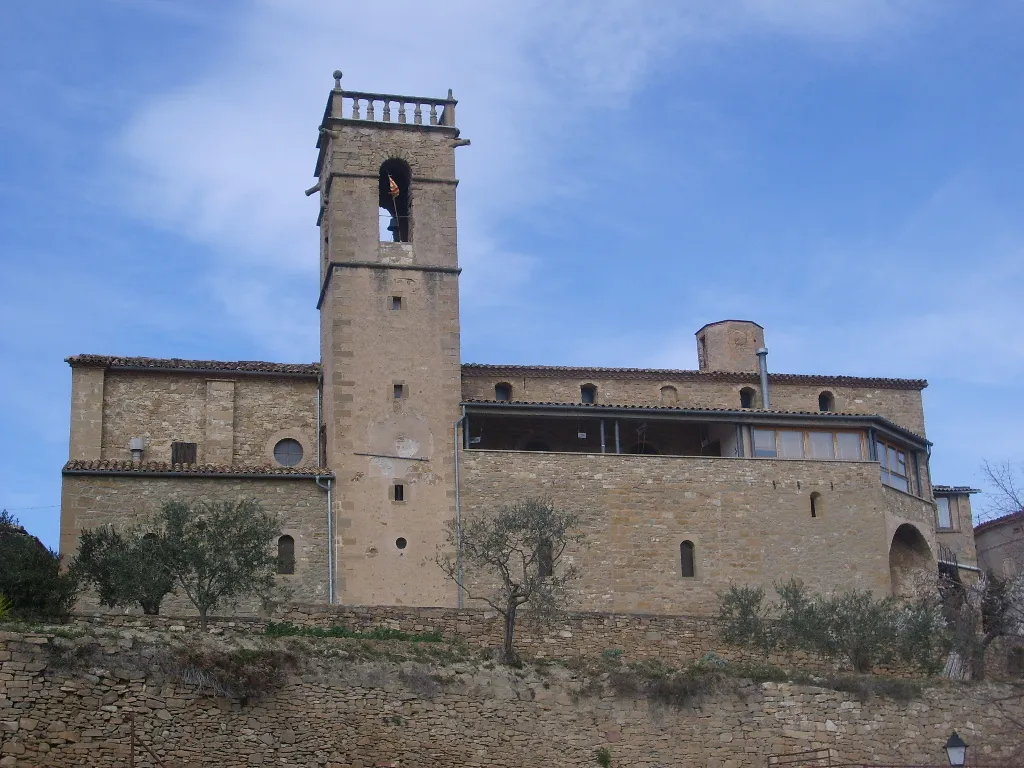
953, 490
551, 371
196, 366
995, 522
162, 468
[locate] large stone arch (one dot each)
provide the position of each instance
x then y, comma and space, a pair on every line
911, 563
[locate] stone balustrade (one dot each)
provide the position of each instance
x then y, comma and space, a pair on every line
390, 107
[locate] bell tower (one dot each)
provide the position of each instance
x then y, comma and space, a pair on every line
389, 340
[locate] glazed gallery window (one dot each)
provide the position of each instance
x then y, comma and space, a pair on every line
799, 444
894, 466
945, 516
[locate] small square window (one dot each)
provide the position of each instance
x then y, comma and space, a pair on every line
399, 391
396, 303
399, 492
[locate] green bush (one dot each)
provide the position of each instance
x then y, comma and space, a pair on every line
851, 625
31, 577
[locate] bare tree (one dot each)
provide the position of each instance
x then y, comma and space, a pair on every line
518, 551
1008, 482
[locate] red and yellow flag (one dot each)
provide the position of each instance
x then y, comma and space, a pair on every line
393, 186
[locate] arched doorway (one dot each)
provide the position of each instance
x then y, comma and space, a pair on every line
911, 565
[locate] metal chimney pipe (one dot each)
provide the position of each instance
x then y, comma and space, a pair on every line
762, 364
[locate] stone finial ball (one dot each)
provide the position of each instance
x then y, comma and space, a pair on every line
337, 74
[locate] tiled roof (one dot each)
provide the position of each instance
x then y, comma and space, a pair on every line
75, 467
552, 371
953, 490
998, 521
681, 409
196, 366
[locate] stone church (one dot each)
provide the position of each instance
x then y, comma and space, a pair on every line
687, 480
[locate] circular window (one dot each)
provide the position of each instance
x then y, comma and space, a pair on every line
400, 542
288, 452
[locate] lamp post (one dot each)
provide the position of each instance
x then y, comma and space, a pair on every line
956, 750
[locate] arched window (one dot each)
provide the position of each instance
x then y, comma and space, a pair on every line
503, 392
817, 505
669, 395
687, 559
395, 200
286, 555
747, 397
545, 560
826, 402
588, 393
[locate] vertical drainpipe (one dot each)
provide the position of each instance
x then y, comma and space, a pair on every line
330, 507
330, 537
762, 364
618, 446
458, 504
602, 436
739, 441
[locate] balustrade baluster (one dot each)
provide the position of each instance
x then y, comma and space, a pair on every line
369, 109
401, 111
417, 115
433, 114
355, 107
387, 111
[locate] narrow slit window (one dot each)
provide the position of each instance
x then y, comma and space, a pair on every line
286, 555
545, 560
817, 505
686, 559
396, 303
399, 391
398, 493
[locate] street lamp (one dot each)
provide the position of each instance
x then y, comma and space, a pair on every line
956, 750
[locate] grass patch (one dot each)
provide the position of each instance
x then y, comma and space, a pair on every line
288, 629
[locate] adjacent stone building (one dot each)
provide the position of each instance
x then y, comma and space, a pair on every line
687, 480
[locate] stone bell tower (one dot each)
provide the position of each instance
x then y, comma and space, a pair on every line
389, 336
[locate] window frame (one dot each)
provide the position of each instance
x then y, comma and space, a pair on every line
882, 448
949, 514
805, 443
505, 386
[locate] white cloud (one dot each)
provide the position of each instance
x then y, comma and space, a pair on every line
224, 159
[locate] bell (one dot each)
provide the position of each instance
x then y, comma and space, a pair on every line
393, 227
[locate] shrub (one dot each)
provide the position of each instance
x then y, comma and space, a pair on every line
31, 577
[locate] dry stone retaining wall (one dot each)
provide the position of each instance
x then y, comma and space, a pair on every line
344, 714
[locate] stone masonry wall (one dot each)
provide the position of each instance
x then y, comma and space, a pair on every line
166, 407
749, 520
349, 714
904, 407
91, 501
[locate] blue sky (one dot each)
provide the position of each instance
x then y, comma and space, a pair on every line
846, 173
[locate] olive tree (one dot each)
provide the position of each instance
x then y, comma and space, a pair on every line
124, 568
516, 556
217, 552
